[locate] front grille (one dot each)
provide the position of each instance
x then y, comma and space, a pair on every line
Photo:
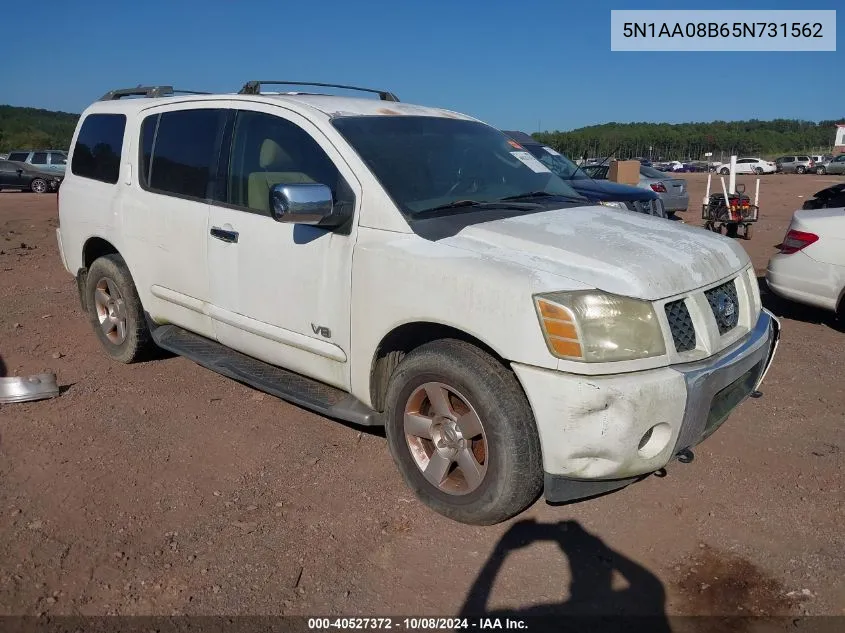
680, 324
725, 306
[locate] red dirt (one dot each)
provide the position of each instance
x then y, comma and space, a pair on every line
162, 488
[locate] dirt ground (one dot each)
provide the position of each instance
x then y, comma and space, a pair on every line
162, 488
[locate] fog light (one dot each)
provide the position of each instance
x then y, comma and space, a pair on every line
655, 440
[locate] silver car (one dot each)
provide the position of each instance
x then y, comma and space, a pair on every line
49, 160
795, 164
671, 191
837, 165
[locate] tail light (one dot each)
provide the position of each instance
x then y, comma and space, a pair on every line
659, 187
796, 241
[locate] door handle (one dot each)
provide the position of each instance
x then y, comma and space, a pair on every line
224, 235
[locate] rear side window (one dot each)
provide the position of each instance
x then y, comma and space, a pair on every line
19, 156
58, 159
99, 145
39, 158
179, 152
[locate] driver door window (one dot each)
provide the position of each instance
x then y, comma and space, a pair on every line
268, 151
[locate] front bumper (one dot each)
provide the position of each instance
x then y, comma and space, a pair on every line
599, 433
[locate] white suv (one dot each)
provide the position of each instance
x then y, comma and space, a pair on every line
398, 265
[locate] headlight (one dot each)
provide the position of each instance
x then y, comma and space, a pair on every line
596, 327
615, 205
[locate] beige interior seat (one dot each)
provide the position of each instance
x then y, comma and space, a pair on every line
277, 167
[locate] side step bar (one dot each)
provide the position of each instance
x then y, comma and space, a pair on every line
299, 390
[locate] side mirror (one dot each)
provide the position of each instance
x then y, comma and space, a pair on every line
303, 204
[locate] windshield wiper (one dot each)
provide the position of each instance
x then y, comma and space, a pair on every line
477, 204
543, 194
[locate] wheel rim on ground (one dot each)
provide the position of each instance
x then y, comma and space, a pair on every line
111, 310
39, 186
446, 438
820, 171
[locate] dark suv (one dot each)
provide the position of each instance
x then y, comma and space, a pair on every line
604, 192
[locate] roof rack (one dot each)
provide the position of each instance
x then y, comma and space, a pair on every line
147, 91
254, 88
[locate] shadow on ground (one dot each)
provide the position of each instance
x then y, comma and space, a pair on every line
784, 308
593, 603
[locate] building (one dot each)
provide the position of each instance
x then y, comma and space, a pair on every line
839, 143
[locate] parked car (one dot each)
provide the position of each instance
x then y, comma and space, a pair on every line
830, 197
604, 192
821, 163
49, 160
810, 267
836, 166
404, 266
821, 158
4, 156
750, 166
14, 175
672, 191
795, 164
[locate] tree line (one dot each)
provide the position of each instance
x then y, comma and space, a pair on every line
690, 141
30, 128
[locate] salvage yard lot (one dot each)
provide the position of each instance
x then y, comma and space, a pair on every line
162, 488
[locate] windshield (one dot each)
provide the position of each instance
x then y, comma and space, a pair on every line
426, 163
559, 164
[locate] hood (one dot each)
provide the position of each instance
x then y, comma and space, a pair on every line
621, 252
606, 190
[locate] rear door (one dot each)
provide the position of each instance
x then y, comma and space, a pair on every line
166, 220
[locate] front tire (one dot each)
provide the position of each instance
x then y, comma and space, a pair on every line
462, 433
821, 171
39, 185
800, 169
115, 311
724, 171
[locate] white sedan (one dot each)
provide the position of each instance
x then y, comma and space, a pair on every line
750, 166
810, 267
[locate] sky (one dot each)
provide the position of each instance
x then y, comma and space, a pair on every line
528, 64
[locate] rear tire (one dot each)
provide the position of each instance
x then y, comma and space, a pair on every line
115, 310
746, 234
821, 171
800, 169
462, 433
724, 171
758, 171
39, 185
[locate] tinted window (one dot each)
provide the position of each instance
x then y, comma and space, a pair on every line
19, 156
185, 150
804, 158
148, 131
99, 145
58, 159
39, 158
267, 151
650, 172
7, 166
